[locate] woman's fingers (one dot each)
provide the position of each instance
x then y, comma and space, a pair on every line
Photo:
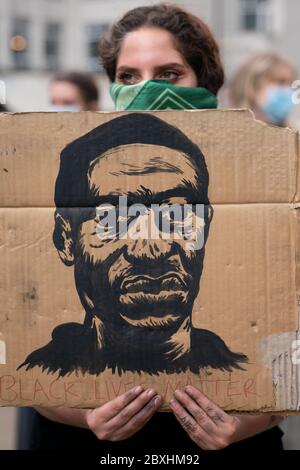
138, 405
139, 419
125, 415
216, 414
199, 415
189, 424
207, 424
112, 408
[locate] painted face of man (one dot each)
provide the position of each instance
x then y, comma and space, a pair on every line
129, 275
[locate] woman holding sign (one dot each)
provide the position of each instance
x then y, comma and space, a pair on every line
151, 53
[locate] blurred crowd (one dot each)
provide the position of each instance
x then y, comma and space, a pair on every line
264, 82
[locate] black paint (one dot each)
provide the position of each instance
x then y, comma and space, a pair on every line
107, 337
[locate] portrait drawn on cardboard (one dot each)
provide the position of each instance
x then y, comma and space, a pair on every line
138, 294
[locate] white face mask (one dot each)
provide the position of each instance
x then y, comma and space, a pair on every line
70, 108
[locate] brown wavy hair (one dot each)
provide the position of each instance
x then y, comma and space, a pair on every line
192, 37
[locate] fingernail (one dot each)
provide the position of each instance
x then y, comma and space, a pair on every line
177, 392
138, 389
157, 401
189, 389
150, 392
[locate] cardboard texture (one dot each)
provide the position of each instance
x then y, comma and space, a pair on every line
133, 311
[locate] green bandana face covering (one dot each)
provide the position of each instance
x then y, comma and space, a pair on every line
159, 94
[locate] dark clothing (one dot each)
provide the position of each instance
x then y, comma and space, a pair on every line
74, 347
161, 435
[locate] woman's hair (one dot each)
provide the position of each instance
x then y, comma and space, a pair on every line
192, 37
248, 78
83, 81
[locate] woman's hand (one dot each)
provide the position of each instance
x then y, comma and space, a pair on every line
118, 419
209, 426
206, 424
125, 415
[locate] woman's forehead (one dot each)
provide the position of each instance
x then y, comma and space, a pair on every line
148, 46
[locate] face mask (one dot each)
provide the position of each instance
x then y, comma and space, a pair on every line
68, 108
279, 104
158, 94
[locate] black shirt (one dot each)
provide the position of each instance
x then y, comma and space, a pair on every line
161, 435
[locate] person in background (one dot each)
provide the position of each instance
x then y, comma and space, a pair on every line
264, 84
150, 51
74, 91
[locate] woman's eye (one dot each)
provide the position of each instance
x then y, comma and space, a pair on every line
127, 78
169, 75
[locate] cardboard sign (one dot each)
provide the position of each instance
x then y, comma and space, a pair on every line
147, 248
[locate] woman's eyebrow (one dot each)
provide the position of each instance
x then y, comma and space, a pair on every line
169, 65
127, 68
